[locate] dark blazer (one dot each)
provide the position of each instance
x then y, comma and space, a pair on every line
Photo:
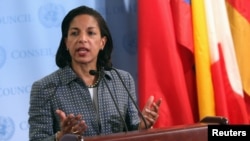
64, 90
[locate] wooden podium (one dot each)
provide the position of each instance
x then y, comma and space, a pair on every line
194, 132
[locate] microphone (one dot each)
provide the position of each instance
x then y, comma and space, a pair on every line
140, 113
94, 72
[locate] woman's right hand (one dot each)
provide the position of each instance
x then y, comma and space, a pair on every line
70, 124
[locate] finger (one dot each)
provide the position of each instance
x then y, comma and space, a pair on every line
69, 120
156, 105
79, 128
152, 114
61, 114
76, 121
150, 121
153, 118
149, 102
64, 120
82, 127
67, 124
78, 117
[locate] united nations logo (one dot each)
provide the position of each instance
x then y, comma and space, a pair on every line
51, 15
6, 128
2, 56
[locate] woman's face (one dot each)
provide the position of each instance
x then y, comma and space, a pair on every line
84, 40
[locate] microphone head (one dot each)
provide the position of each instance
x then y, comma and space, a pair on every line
93, 72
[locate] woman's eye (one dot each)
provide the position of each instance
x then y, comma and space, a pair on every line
74, 33
91, 33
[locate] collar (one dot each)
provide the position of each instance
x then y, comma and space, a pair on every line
69, 75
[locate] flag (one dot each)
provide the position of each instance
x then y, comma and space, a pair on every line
160, 66
218, 80
202, 60
239, 16
182, 19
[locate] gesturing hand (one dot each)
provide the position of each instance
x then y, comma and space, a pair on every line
71, 124
150, 112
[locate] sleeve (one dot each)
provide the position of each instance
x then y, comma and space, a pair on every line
132, 118
40, 114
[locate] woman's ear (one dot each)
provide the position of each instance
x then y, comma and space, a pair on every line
103, 42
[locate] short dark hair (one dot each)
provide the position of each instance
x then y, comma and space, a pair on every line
63, 57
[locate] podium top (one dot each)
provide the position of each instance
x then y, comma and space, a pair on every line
194, 132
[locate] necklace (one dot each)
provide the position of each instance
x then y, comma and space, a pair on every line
95, 84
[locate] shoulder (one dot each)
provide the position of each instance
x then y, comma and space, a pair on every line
54, 79
122, 72
124, 75
50, 80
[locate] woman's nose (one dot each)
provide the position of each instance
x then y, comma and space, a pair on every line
83, 37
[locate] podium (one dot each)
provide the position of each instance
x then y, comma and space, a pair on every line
194, 132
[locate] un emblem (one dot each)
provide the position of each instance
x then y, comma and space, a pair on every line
2, 56
6, 128
51, 15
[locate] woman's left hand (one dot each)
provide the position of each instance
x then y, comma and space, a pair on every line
70, 124
150, 113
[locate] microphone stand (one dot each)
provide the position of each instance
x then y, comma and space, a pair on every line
93, 72
144, 120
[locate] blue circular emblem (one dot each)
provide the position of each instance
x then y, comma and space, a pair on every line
51, 15
2, 56
7, 128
